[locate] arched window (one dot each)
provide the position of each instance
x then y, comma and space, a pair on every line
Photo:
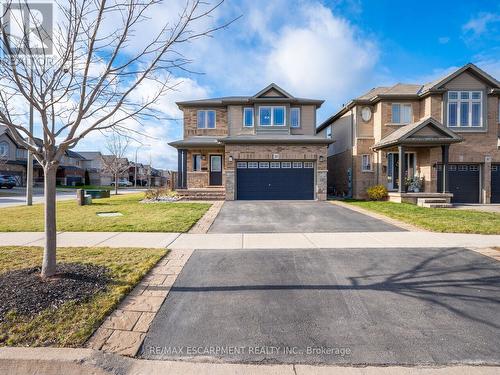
4, 149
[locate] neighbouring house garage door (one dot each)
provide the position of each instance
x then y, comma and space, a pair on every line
464, 182
495, 183
274, 180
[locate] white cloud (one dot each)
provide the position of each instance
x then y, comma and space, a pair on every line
325, 56
480, 24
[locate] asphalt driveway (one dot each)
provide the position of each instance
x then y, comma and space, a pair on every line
355, 306
293, 216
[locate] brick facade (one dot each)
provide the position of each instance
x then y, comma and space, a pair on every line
191, 122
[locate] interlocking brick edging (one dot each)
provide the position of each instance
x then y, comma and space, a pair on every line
124, 330
204, 224
397, 223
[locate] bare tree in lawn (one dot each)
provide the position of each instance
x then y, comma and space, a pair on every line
116, 163
91, 81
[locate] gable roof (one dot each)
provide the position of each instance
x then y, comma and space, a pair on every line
414, 134
410, 91
273, 86
250, 100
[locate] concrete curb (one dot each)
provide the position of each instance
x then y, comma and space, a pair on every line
52, 361
384, 218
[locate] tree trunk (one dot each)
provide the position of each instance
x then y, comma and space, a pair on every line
49, 253
116, 183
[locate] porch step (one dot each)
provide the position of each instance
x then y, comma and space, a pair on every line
434, 202
209, 194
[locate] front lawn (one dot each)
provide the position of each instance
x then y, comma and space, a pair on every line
436, 219
72, 322
136, 216
86, 187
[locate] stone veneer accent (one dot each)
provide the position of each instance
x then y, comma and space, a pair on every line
191, 122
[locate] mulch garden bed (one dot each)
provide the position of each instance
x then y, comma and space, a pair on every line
26, 293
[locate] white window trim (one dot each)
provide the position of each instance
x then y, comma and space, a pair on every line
253, 116
299, 125
6, 145
272, 115
205, 125
363, 169
329, 129
470, 101
402, 105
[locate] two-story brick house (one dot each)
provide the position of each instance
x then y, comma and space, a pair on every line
252, 147
446, 131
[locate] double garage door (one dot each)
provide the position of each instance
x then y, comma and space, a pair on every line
264, 180
463, 182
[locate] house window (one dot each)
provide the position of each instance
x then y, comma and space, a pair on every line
465, 109
286, 164
272, 116
275, 164
206, 119
308, 164
241, 164
295, 117
366, 163
329, 133
253, 164
4, 149
264, 164
297, 164
248, 117
197, 162
401, 113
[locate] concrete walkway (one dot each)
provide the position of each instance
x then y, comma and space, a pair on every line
255, 240
21, 361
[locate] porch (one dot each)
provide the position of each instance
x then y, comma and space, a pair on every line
412, 156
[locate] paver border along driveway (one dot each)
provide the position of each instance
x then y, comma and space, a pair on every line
350, 306
293, 217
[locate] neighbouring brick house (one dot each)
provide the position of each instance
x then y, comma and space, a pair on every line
252, 147
446, 131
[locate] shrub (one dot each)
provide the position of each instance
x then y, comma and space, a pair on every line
155, 194
377, 192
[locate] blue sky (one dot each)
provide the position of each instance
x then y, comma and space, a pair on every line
331, 50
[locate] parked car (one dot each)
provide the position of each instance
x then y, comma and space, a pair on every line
123, 182
7, 182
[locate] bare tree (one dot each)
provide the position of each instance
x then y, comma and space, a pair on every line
116, 163
88, 83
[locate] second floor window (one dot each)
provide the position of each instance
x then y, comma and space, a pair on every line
295, 117
4, 149
196, 162
401, 113
465, 109
272, 116
206, 119
248, 117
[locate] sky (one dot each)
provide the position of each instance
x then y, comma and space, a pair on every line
330, 50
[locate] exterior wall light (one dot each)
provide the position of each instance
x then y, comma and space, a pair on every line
321, 158
230, 159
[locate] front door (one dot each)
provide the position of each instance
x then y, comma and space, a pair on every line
410, 168
215, 170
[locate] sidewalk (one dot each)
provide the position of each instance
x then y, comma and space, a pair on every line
255, 240
21, 361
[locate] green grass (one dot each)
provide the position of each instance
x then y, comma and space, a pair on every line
72, 324
137, 217
436, 219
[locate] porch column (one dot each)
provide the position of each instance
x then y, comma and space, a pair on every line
401, 169
181, 169
445, 151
